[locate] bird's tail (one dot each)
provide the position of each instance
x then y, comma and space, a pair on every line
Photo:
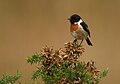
89, 42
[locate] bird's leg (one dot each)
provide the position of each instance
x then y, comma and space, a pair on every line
75, 41
81, 42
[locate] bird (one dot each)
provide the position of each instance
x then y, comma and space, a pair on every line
79, 29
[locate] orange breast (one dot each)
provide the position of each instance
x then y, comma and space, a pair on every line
73, 27
77, 33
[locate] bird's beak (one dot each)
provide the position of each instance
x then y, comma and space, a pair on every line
68, 18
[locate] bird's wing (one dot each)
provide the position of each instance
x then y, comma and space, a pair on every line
85, 27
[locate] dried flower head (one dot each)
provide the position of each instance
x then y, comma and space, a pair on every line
62, 66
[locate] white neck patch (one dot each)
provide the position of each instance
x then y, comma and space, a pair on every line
80, 21
80, 26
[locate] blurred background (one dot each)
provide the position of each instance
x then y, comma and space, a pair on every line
28, 25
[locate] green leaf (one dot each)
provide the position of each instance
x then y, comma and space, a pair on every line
70, 75
10, 79
79, 69
104, 73
38, 73
35, 58
87, 79
101, 75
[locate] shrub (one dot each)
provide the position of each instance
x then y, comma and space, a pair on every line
62, 66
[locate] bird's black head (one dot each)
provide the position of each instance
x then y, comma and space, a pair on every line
74, 18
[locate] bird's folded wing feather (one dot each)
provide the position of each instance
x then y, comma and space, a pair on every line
85, 27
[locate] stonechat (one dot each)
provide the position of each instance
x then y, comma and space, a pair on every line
79, 29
